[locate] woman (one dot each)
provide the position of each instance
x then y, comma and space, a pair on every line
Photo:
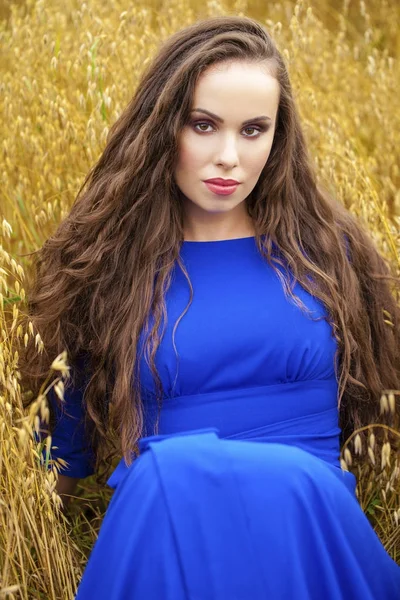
231, 335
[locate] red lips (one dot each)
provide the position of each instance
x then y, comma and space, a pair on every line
220, 181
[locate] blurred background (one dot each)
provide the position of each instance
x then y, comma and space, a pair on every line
67, 69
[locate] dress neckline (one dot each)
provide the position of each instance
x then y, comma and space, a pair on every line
251, 237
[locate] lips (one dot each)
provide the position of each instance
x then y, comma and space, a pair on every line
221, 190
219, 181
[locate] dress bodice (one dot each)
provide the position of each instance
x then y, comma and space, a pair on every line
244, 359
240, 331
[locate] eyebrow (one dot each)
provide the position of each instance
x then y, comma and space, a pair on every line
220, 120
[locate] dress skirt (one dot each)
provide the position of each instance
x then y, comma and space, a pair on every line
197, 517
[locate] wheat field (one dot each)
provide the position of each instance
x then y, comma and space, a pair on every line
68, 68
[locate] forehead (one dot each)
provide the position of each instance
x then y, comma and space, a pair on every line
237, 88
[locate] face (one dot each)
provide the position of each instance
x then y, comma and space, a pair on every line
232, 143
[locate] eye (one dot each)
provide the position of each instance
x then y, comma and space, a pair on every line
199, 125
258, 129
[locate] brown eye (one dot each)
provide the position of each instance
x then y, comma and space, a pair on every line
252, 128
258, 129
199, 124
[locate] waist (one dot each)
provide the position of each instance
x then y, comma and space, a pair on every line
302, 413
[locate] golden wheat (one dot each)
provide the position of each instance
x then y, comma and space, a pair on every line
68, 70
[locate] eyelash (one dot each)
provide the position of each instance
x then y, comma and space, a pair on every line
259, 128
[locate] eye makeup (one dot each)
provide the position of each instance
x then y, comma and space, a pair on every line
261, 128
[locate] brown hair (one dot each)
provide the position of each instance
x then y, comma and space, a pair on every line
109, 264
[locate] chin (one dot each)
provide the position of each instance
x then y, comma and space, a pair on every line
220, 207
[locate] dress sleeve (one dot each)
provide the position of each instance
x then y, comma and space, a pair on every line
69, 440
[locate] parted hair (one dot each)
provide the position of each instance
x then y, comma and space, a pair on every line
107, 267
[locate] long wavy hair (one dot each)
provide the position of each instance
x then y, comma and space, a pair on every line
109, 263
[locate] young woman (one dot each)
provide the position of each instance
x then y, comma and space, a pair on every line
224, 318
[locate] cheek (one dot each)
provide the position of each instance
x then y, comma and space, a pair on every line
185, 157
255, 162
191, 154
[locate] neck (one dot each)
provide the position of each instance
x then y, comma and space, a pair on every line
213, 227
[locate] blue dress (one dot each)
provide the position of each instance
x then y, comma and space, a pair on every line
241, 495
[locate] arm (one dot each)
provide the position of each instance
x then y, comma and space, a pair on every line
69, 440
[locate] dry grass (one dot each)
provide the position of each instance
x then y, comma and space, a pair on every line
68, 69
372, 453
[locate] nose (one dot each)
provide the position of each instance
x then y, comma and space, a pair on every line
227, 152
